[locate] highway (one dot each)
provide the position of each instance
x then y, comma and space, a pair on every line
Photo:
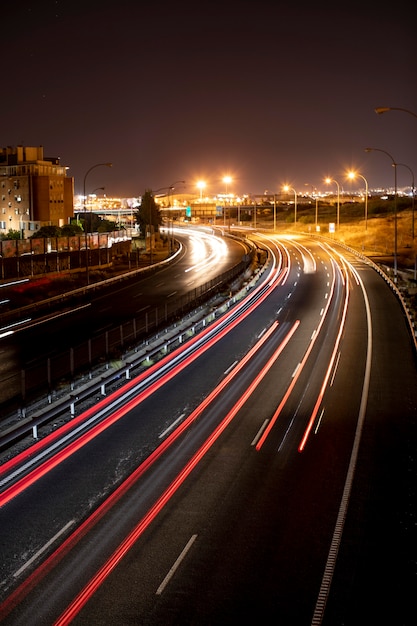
42, 345
260, 473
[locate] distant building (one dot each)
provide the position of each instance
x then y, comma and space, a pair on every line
34, 191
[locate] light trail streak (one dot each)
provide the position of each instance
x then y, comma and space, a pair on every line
328, 373
166, 362
310, 266
11, 328
296, 375
341, 516
33, 476
17, 596
75, 607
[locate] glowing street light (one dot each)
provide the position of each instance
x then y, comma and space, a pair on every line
380, 110
287, 188
394, 165
227, 180
201, 185
329, 180
352, 176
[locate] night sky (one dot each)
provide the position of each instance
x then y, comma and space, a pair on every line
266, 92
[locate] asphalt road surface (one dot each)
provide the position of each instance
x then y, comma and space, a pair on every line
270, 476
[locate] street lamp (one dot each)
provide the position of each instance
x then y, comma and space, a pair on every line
394, 165
287, 188
201, 185
170, 222
85, 213
170, 189
332, 180
227, 180
380, 110
152, 192
412, 200
352, 176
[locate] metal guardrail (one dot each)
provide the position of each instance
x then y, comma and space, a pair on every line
386, 275
159, 346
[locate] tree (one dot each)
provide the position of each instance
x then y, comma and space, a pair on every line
148, 215
107, 226
70, 230
12, 234
46, 231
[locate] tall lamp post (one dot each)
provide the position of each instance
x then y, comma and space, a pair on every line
91, 203
172, 187
227, 180
352, 176
201, 185
287, 188
329, 180
394, 165
412, 197
170, 223
85, 214
168, 190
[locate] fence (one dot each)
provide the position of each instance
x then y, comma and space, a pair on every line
30, 257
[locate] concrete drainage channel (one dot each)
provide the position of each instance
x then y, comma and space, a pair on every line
48, 413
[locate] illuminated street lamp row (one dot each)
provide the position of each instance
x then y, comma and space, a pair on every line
201, 184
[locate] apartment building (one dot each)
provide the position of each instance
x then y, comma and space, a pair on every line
35, 190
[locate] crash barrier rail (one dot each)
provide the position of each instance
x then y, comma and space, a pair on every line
131, 363
392, 278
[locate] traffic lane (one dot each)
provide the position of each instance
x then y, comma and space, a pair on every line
375, 570
177, 278
260, 556
261, 527
83, 480
108, 535
234, 351
75, 477
118, 303
31, 345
